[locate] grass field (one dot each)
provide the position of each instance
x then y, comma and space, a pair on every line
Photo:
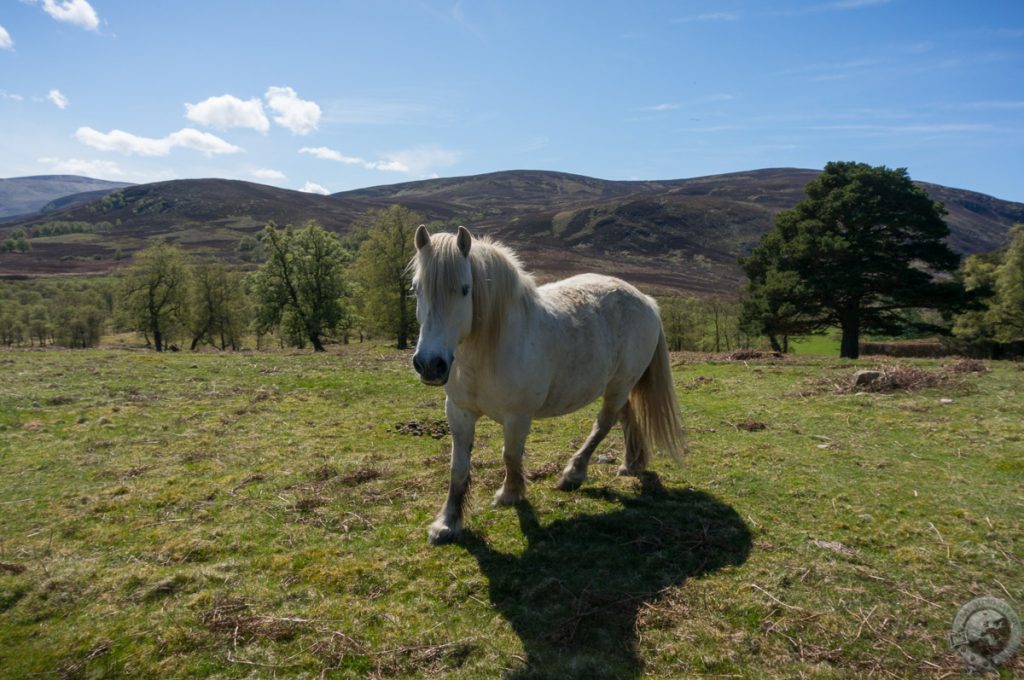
264, 515
815, 345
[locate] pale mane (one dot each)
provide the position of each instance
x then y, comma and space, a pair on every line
499, 281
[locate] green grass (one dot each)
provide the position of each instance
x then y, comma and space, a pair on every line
815, 345
259, 514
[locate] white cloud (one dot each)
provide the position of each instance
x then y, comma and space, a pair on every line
328, 154
77, 12
228, 111
324, 153
420, 161
129, 144
11, 96
6, 41
301, 116
58, 99
314, 188
268, 173
76, 166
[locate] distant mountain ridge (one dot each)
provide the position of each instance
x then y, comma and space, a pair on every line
24, 195
679, 235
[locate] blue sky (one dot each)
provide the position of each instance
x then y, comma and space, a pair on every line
335, 95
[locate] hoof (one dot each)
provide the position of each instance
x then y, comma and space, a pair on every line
628, 472
505, 498
569, 483
440, 533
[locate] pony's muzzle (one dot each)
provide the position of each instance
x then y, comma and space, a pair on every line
433, 371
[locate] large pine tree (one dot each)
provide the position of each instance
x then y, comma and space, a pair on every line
862, 249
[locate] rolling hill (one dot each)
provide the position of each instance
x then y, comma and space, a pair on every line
24, 195
681, 235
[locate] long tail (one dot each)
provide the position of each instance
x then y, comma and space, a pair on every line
654, 407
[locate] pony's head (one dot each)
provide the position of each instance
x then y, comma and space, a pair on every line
443, 281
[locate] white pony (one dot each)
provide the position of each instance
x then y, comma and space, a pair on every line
514, 351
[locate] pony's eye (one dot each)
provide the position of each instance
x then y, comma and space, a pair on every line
465, 291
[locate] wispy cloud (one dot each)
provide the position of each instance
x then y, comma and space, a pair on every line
455, 14
6, 41
855, 4
839, 6
328, 154
77, 166
356, 111
693, 105
836, 67
420, 160
716, 97
659, 108
134, 145
58, 99
707, 17
911, 128
10, 96
994, 105
228, 111
712, 128
77, 12
301, 116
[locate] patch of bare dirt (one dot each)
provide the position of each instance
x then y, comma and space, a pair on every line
436, 429
360, 476
543, 472
232, 619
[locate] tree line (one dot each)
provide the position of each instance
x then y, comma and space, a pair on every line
311, 288
864, 252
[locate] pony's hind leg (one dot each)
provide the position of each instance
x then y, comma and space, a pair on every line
637, 452
513, 489
449, 521
575, 473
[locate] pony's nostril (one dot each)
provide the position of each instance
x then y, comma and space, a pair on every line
417, 364
440, 367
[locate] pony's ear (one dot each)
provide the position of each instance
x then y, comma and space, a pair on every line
464, 240
422, 237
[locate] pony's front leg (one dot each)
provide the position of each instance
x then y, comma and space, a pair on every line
448, 523
513, 489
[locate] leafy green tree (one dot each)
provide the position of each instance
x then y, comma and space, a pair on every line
249, 249
12, 330
218, 308
771, 304
1009, 289
300, 286
39, 326
154, 293
382, 270
862, 249
998, 280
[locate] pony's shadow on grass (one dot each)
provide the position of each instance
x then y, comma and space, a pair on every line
573, 595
